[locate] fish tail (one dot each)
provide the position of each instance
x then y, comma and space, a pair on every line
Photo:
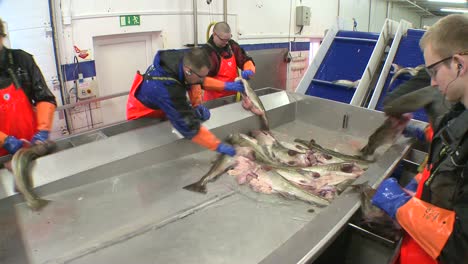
196, 187
265, 125
37, 203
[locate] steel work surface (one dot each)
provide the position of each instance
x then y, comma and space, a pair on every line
144, 215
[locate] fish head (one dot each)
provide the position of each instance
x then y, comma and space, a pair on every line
233, 139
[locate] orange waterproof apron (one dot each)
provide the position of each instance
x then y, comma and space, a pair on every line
135, 109
411, 252
227, 73
17, 117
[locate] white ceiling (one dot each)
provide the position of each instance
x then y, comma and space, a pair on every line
426, 8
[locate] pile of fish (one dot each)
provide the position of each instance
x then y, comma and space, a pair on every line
301, 170
20, 165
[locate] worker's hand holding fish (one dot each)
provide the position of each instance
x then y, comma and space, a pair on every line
226, 149
236, 86
202, 112
40, 136
251, 102
12, 144
247, 74
390, 196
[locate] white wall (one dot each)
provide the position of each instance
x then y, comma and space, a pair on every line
358, 9
397, 13
378, 15
429, 21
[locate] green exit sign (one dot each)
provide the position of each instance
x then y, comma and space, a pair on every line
129, 20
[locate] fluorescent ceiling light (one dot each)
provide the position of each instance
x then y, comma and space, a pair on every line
449, 1
454, 10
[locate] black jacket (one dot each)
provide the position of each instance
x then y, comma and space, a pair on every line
27, 74
447, 187
231, 49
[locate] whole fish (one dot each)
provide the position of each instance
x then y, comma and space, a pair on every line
347, 83
411, 102
260, 152
266, 138
250, 101
220, 166
272, 182
277, 152
334, 156
314, 177
20, 164
398, 70
386, 133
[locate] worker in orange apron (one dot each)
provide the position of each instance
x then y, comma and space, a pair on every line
436, 217
22, 87
161, 92
226, 56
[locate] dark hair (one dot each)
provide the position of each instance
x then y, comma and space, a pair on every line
197, 58
222, 27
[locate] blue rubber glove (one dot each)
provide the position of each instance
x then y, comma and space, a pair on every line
414, 132
41, 135
12, 144
226, 149
412, 185
247, 74
390, 196
202, 112
234, 86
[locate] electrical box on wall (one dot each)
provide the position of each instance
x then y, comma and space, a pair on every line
87, 88
302, 16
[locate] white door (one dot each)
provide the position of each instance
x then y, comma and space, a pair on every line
118, 57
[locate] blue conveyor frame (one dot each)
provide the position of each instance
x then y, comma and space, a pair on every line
404, 51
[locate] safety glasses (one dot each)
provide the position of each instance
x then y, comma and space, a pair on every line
432, 69
224, 40
190, 72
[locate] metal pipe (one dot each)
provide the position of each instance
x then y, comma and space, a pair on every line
225, 11
89, 101
419, 7
195, 24
53, 25
338, 11
387, 15
370, 14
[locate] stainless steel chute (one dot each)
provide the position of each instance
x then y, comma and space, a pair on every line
119, 199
